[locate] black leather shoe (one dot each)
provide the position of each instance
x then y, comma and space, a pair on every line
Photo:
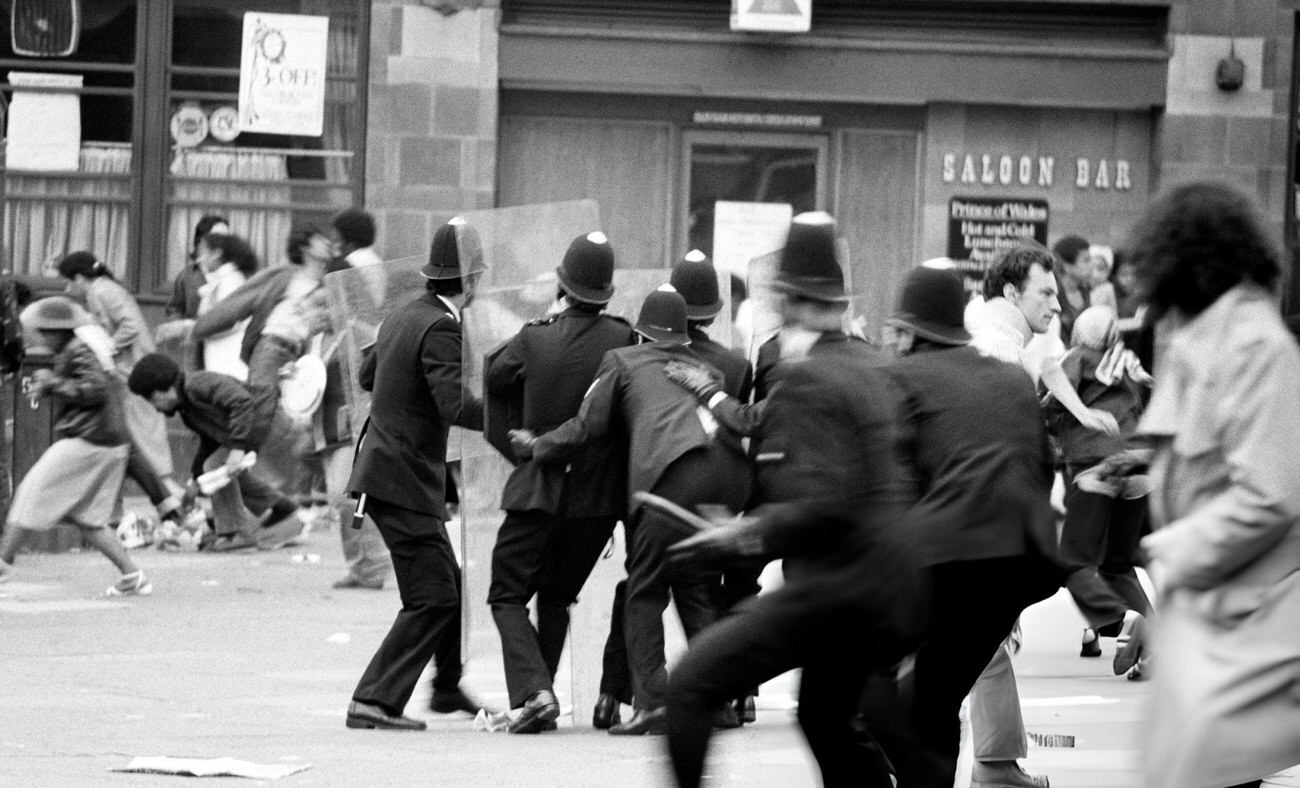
1090, 647
746, 709
450, 701
540, 709
368, 715
726, 718
644, 722
606, 713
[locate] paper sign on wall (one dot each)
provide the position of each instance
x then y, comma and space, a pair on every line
745, 230
44, 131
282, 74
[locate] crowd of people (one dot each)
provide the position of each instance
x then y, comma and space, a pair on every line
1089, 412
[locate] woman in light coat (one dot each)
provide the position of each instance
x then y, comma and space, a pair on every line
114, 308
1225, 555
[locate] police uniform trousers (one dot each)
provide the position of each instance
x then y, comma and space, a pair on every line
974, 605
713, 474
841, 627
429, 624
540, 554
615, 673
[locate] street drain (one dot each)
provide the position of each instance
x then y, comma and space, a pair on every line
1052, 739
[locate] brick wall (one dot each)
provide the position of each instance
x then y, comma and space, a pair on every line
1241, 136
432, 125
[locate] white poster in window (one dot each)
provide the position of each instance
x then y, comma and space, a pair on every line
745, 230
44, 131
282, 74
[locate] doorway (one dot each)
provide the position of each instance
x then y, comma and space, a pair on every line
748, 167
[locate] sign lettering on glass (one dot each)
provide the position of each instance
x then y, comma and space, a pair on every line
987, 169
980, 227
282, 74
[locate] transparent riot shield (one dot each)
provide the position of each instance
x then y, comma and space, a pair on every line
520, 248
359, 300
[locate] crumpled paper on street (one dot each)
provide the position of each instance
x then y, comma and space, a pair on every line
492, 721
211, 767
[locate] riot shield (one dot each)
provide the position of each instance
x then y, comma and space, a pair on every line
359, 300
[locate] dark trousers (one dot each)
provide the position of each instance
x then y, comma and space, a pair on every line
974, 605
1099, 542
428, 625
551, 557
615, 673
715, 474
821, 628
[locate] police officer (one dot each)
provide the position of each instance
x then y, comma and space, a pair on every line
825, 453
559, 515
695, 278
673, 451
400, 477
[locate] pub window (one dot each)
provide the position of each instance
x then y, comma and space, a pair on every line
70, 92
121, 131
262, 183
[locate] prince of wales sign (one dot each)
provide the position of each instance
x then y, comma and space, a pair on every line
282, 74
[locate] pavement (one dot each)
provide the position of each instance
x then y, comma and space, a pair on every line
253, 656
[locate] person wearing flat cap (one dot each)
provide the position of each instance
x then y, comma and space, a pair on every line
399, 479
559, 515
674, 451
831, 505
982, 514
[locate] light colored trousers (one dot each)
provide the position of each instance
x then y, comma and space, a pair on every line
997, 726
363, 548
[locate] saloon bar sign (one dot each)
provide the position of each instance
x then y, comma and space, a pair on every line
980, 227
988, 169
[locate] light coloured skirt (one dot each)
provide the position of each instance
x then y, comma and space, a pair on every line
75, 482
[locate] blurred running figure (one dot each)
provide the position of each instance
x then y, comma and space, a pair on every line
79, 477
1225, 553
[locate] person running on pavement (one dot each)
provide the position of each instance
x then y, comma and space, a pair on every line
853, 604
978, 449
78, 480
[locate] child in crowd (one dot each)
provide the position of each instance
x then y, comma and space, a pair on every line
78, 479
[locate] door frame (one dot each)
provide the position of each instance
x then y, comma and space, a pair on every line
818, 141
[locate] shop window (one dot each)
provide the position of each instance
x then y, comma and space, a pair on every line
68, 126
261, 182
763, 168
136, 138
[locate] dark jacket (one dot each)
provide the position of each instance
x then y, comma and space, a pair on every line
827, 440
826, 457
631, 389
184, 302
254, 300
87, 397
555, 361
219, 409
977, 447
737, 374
417, 395
1079, 445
